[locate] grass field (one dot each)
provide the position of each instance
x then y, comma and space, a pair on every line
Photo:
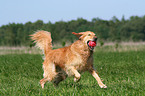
122, 71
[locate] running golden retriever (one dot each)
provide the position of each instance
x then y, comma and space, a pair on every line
67, 61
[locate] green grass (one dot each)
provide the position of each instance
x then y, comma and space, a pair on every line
122, 72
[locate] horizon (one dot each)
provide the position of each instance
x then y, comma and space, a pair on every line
66, 21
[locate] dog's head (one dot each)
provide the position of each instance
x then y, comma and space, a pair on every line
88, 37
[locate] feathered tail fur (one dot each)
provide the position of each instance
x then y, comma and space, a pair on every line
43, 40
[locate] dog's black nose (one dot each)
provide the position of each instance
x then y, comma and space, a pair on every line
95, 38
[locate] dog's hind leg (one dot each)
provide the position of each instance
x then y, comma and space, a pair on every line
60, 76
49, 73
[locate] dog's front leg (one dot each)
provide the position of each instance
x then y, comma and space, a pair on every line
77, 75
95, 75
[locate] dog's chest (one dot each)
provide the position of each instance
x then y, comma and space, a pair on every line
83, 60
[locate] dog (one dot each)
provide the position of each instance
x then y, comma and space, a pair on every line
67, 61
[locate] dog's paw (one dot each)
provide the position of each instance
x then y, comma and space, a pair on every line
103, 86
76, 79
42, 83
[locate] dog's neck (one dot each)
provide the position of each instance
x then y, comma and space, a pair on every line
80, 46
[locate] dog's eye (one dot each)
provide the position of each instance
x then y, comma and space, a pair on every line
89, 34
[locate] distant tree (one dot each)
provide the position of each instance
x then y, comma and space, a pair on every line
107, 30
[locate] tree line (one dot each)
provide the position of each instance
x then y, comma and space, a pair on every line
132, 29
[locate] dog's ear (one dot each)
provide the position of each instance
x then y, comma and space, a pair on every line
79, 35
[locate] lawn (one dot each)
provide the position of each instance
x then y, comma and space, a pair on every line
122, 72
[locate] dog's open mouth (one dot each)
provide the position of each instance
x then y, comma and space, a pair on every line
91, 44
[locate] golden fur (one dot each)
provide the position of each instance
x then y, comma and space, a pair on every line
67, 61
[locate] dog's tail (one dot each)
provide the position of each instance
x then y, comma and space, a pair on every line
42, 40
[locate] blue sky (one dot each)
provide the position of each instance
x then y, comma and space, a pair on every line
22, 11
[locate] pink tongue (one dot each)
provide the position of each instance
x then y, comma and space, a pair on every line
92, 43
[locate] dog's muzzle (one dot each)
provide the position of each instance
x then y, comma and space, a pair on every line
92, 43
